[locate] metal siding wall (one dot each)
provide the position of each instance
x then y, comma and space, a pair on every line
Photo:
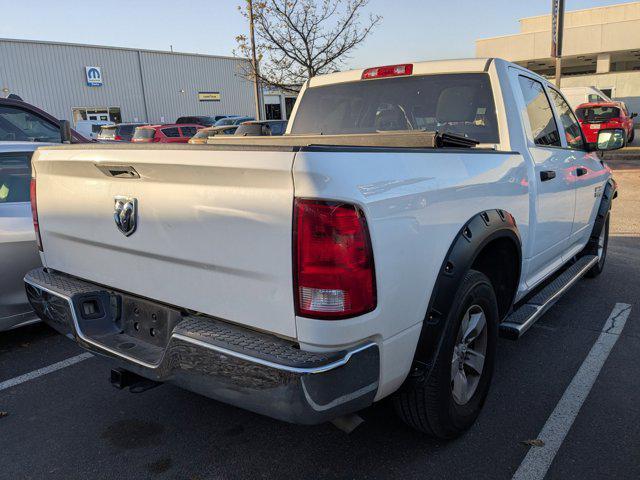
166, 74
52, 77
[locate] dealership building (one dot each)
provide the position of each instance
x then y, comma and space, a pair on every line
77, 82
601, 48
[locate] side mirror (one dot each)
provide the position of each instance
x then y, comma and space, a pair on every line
611, 139
65, 131
633, 115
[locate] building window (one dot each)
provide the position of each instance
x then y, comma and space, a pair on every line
108, 114
273, 111
289, 102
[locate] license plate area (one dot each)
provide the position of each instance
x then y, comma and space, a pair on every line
148, 321
594, 126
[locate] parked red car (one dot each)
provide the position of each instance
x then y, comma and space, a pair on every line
165, 133
596, 116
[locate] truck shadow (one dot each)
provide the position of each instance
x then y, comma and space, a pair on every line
24, 337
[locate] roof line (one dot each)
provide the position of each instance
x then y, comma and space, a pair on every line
109, 47
566, 28
581, 10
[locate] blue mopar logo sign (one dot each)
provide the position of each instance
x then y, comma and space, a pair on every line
94, 76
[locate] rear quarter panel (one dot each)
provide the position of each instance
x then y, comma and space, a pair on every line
415, 205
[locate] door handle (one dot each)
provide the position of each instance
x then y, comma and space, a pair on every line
581, 171
547, 175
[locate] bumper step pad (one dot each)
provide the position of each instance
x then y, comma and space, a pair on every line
257, 371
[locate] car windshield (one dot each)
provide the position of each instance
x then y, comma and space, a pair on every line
107, 133
597, 114
454, 103
17, 124
142, 133
203, 133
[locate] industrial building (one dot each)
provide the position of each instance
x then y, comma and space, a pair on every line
601, 48
84, 82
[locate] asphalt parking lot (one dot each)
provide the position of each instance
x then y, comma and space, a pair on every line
68, 422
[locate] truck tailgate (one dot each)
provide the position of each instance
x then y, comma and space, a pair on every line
213, 227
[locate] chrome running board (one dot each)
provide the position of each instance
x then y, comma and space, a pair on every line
520, 320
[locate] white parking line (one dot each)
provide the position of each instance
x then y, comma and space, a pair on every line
44, 370
538, 459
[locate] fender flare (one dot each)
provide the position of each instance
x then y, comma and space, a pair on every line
478, 232
608, 195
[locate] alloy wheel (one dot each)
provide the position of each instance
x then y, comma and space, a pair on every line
467, 363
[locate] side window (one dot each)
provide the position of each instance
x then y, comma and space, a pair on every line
15, 177
171, 132
539, 113
188, 131
20, 125
572, 130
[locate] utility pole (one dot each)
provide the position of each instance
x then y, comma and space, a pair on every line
254, 60
557, 27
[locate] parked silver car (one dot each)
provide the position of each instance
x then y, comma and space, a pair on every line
18, 250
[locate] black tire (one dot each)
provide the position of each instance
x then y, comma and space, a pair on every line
594, 243
428, 404
632, 136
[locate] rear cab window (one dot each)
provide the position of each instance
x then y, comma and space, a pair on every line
126, 130
144, 133
15, 177
460, 103
107, 133
598, 114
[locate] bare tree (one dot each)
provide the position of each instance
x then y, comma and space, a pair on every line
298, 39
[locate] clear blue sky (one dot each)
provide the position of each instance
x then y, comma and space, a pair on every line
410, 30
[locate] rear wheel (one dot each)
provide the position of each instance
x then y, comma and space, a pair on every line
632, 135
448, 402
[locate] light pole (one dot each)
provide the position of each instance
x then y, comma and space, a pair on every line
557, 26
254, 60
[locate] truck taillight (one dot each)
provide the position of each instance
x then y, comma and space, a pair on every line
34, 213
388, 71
334, 273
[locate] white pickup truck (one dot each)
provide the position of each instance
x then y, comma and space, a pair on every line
410, 214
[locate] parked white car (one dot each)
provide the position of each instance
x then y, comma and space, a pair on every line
410, 213
91, 128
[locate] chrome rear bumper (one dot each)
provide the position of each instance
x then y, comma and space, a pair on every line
252, 370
